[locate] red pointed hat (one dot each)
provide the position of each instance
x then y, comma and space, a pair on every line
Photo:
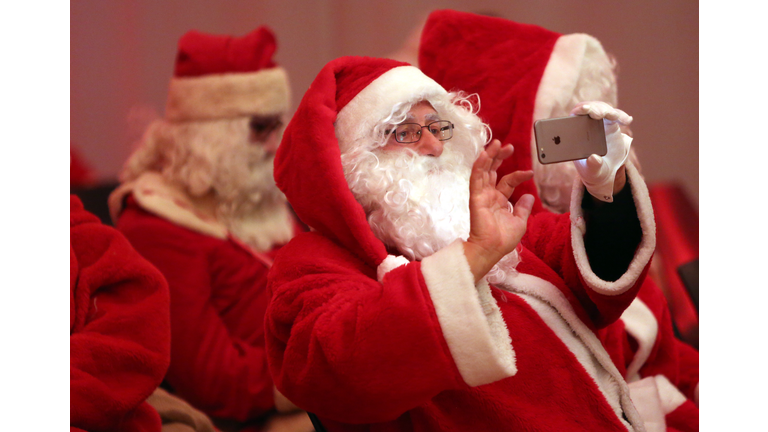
346, 100
521, 72
220, 76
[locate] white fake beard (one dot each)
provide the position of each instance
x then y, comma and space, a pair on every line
249, 202
416, 204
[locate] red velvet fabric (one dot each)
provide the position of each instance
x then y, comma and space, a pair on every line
309, 155
204, 54
356, 351
678, 233
350, 81
119, 329
502, 62
218, 299
684, 418
365, 355
670, 357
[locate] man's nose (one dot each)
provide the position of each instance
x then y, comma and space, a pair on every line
271, 143
429, 145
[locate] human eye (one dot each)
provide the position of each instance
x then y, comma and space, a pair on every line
407, 133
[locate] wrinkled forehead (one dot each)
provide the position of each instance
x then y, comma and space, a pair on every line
422, 110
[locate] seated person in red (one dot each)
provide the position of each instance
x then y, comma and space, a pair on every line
119, 329
382, 316
567, 71
198, 200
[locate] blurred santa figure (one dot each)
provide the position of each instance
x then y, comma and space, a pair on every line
198, 200
544, 74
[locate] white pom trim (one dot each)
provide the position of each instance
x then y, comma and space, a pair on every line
390, 263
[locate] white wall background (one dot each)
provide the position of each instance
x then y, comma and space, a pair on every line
122, 58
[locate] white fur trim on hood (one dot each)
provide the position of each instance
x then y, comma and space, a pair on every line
402, 84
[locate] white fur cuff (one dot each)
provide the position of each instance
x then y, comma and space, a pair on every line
644, 251
470, 319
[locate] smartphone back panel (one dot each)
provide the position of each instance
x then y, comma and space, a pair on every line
569, 138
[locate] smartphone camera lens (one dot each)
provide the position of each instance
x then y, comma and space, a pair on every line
543, 156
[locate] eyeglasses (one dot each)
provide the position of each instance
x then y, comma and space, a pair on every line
408, 133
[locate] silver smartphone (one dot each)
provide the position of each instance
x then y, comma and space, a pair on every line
569, 138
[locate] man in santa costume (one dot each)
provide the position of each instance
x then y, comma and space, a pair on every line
198, 200
119, 329
544, 75
419, 300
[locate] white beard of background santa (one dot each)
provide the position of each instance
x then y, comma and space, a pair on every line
216, 161
207, 164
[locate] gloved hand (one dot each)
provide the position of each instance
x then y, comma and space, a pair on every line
598, 173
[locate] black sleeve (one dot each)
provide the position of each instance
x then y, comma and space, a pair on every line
613, 233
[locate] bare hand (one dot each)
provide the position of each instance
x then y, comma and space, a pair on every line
494, 230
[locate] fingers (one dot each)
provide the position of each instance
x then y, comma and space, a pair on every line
601, 110
504, 153
480, 167
510, 181
594, 162
523, 206
496, 154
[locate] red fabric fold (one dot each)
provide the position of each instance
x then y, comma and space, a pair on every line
119, 329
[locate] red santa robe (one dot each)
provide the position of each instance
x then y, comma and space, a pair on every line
538, 75
662, 371
119, 329
368, 341
218, 298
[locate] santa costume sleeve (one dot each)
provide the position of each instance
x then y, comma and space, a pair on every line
358, 350
119, 329
602, 251
512, 67
222, 375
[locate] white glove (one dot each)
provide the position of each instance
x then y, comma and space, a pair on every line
598, 173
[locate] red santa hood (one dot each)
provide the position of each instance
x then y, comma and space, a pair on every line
521, 73
343, 104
